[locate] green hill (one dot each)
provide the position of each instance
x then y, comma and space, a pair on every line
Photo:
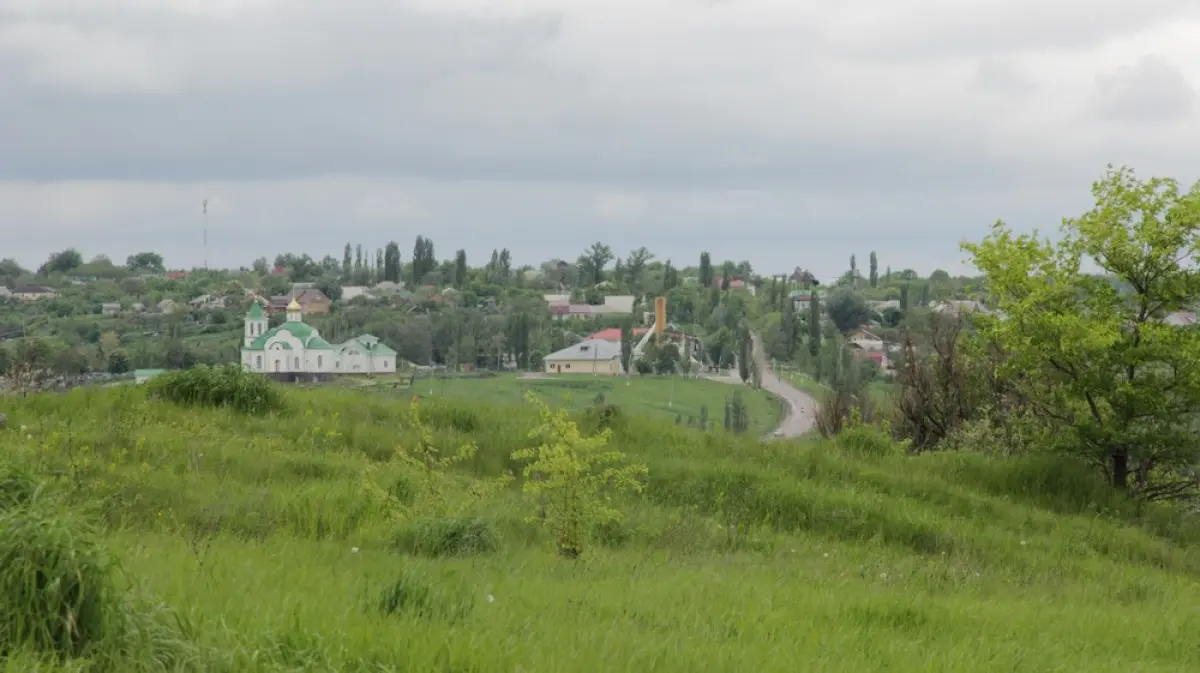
262, 543
663, 397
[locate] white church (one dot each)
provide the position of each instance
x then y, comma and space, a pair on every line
296, 350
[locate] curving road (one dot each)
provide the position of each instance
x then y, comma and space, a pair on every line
800, 413
800, 409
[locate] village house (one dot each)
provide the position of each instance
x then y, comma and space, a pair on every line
33, 292
110, 308
593, 356
207, 302
561, 306
311, 300
166, 306
734, 284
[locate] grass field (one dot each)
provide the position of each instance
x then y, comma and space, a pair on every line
653, 396
253, 544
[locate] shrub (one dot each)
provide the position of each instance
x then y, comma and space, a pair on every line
56, 583
574, 478
449, 537
227, 386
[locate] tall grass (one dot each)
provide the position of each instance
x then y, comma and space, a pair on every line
269, 554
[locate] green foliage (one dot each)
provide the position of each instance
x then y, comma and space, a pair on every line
428, 484
575, 477
847, 309
229, 387
258, 529
1091, 353
56, 585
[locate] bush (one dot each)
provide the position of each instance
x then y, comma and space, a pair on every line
57, 590
449, 537
227, 386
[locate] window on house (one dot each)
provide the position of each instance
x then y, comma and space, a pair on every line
567, 366
258, 362
385, 364
297, 363
320, 361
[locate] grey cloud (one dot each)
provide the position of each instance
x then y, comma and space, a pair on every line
1150, 91
311, 90
720, 126
1001, 76
981, 28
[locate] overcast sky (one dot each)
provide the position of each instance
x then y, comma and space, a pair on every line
786, 132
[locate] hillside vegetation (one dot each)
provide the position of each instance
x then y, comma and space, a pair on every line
352, 532
685, 401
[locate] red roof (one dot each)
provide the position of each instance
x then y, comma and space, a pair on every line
733, 282
877, 356
176, 275
614, 333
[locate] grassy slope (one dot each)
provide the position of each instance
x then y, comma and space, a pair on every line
655, 397
248, 527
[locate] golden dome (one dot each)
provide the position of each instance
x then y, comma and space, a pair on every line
294, 306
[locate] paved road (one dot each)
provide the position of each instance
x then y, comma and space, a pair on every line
800, 413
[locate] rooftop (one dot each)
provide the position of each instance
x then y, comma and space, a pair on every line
590, 349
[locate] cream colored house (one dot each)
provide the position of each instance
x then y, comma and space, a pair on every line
594, 356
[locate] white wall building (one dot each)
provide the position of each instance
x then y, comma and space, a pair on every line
297, 348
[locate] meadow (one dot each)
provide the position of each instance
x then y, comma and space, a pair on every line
204, 539
660, 397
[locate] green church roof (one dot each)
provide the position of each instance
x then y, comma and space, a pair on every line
256, 312
297, 329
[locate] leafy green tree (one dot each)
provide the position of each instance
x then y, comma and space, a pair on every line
573, 477
118, 362
789, 329
874, 270
460, 268
904, 297
814, 324
592, 263
145, 262
391, 262
847, 309
666, 359
670, 277
62, 262
1101, 371
744, 358
627, 345
706, 270
347, 263
635, 268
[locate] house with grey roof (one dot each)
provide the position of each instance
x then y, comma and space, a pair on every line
592, 356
